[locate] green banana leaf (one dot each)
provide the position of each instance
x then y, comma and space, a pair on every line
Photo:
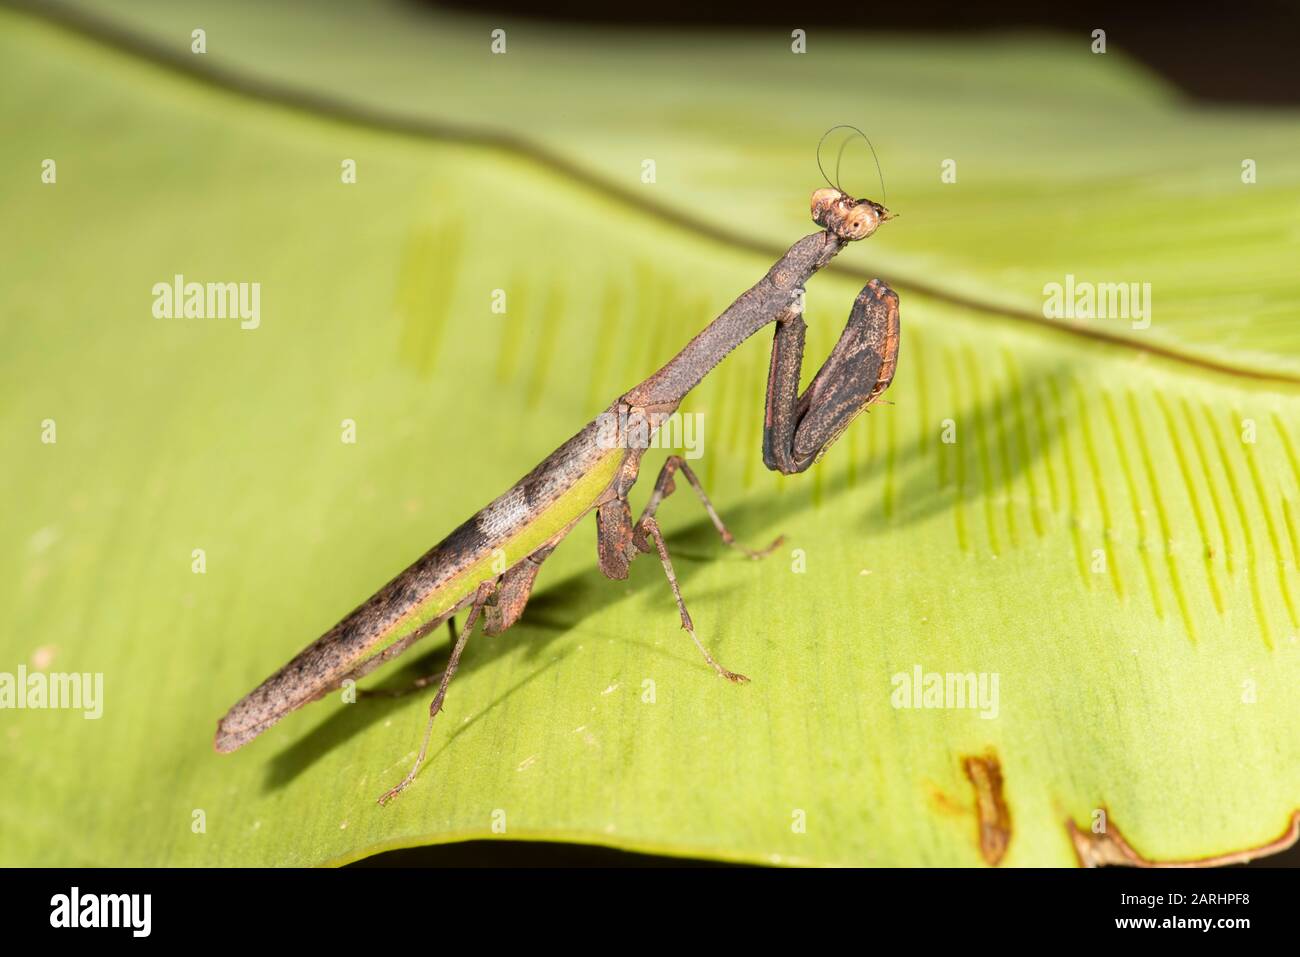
1104, 515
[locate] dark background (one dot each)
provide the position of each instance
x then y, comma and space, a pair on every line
1244, 52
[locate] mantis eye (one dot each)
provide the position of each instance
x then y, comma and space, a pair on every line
859, 222
823, 201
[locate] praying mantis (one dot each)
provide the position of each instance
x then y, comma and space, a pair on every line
490, 563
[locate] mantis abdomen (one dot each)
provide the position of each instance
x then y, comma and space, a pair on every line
535, 512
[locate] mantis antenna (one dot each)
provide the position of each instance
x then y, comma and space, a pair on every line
884, 199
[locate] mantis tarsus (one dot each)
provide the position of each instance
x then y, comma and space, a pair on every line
489, 563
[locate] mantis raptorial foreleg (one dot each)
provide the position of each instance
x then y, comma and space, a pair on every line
799, 428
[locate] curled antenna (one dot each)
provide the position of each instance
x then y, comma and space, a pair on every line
838, 158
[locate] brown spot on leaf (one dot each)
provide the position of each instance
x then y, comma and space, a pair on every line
1110, 848
985, 775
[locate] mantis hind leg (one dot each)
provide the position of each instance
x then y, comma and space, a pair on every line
502, 610
499, 603
419, 683
482, 596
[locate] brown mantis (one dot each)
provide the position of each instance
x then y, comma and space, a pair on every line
489, 563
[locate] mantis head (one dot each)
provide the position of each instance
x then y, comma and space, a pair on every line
846, 217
